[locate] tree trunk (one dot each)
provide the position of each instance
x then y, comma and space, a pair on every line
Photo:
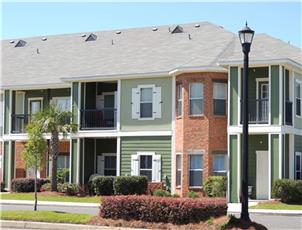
54, 151
36, 197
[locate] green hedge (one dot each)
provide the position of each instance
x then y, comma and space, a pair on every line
119, 185
289, 191
215, 186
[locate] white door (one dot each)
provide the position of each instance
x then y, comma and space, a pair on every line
262, 175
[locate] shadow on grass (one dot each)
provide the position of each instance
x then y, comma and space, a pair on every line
237, 223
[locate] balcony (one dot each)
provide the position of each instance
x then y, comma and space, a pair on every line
288, 113
98, 118
19, 122
258, 111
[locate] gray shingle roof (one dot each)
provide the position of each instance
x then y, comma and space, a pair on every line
132, 52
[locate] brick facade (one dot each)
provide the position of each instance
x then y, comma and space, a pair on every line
20, 164
207, 132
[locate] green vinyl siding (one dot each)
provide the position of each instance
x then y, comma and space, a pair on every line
233, 169
298, 143
74, 160
6, 111
275, 94
75, 101
274, 157
163, 123
159, 145
234, 94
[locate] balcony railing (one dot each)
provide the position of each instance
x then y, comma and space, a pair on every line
258, 111
98, 118
288, 113
19, 122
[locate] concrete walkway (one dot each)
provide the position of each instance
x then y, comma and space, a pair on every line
10, 224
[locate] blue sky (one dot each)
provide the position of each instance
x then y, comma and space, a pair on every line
279, 19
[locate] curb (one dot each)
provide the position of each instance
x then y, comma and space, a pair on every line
56, 226
49, 203
269, 212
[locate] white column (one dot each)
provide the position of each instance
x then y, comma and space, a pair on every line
173, 157
118, 112
118, 156
269, 166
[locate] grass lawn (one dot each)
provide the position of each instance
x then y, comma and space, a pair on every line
277, 206
49, 197
46, 216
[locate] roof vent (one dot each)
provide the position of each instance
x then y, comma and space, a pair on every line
118, 32
177, 29
12, 41
44, 39
20, 43
154, 29
83, 35
91, 37
197, 25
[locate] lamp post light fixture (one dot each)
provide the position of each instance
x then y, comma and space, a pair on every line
246, 37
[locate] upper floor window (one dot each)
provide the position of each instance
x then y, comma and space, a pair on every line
298, 98
146, 102
179, 91
219, 164
196, 98
62, 103
219, 98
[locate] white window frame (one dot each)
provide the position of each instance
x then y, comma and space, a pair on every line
220, 98
295, 171
178, 169
179, 98
145, 87
139, 154
295, 96
34, 99
65, 160
192, 153
196, 98
226, 165
64, 98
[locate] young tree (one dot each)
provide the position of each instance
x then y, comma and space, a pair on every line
34, 151
55, 121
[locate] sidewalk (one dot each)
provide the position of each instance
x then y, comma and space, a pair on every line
56, 226
48, 203
234, 208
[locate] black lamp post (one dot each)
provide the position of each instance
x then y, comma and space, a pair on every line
246, 37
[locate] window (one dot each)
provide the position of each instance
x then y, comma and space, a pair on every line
35, 105
63, 162
298, 98
146, 166
146, 103
179, 100
62, 103
298, 166
219, 98
178, 169
196, 99
219, 164
196, 168
110, 165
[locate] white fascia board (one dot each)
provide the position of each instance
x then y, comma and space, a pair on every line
111, 77
196, 69
257, 63
36, 86
24, 137
255, 129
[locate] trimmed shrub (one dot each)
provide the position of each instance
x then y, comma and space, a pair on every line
192, 194
27, 184
2, 186
162, 209
71, 189
62, 187
289, 191
160, 192
215, 186
153, 186
62, 175
127, 185
102, 185
45, 187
